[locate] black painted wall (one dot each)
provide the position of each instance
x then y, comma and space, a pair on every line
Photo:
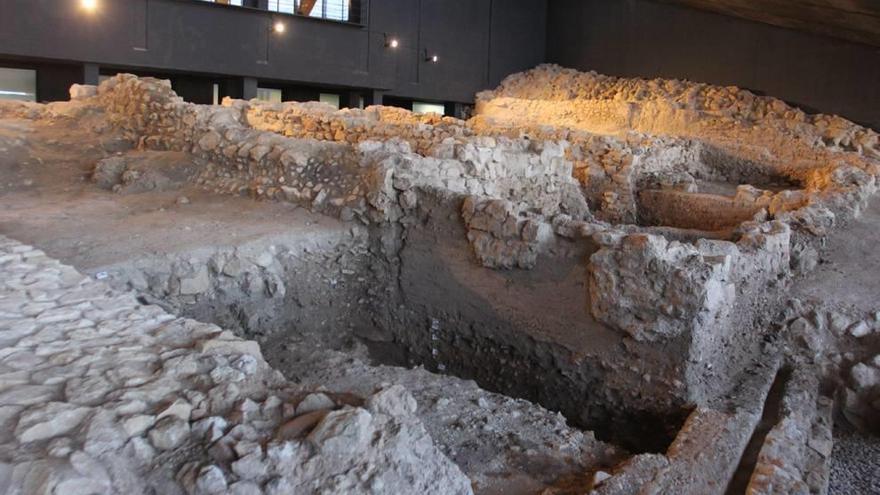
478, 42
644, 38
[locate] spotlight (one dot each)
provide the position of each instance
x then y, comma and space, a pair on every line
89, 4
279, 27
391, 42
433, 58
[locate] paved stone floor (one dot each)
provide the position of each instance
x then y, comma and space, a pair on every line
101, 394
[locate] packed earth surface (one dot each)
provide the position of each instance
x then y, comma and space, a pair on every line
594, 285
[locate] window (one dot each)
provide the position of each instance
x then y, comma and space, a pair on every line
337, 10
330, 99
237, 3
422, 107
331, 9
269, 94
283, 6
18, 84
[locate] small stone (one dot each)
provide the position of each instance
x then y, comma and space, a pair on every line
210, 481
180, 408
247, 364
393, 401
137, 425
209, 141
53, 419
599, 477
233, 268
282, 453
250, 467
60, 447
838, 323
210, 429
226, 374
859, 329
183, 200
138, 448
343, 432
169, 433
314, 402
865, 377
245, 488
198, 284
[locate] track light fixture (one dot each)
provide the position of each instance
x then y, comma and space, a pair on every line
433, 58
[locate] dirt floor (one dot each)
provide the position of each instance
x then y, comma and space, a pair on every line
848, 268
48, 200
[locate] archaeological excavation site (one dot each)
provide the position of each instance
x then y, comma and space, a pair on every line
398, 264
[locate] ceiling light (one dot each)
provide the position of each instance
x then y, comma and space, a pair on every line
434, 58
279, 27
89, 4
391, 42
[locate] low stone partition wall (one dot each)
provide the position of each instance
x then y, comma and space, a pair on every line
688, 287
102, 394
795, 454
322, 122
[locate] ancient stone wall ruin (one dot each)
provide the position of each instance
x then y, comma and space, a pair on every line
522, 183
591, 243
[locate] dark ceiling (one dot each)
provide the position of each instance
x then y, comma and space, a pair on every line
853, 20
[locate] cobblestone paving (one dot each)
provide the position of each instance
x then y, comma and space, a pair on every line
101, 394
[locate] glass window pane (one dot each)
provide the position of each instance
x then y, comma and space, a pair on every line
330, 99
269, 94
423, 107
18, 84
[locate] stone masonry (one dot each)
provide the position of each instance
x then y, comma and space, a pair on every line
101, 394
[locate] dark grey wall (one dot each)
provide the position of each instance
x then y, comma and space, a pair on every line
648, 39
201, 38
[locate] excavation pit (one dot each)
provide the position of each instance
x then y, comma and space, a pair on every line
628, 282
